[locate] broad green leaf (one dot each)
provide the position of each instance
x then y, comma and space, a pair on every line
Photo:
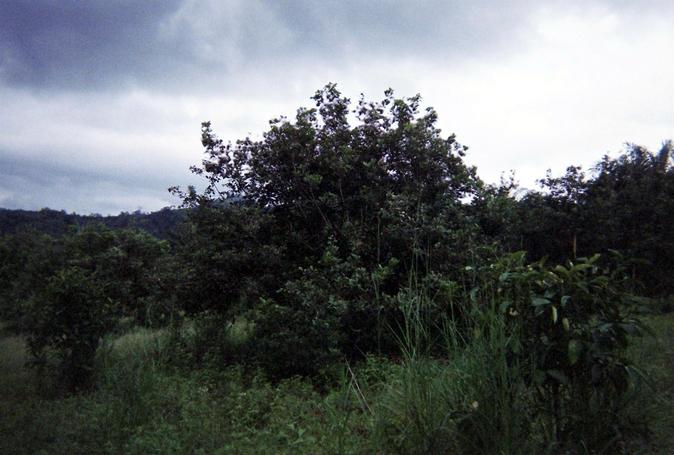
565, 300
574, 351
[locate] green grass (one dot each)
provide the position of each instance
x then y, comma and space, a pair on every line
143, 405
16, 383
29, 422
654, 355
473, 401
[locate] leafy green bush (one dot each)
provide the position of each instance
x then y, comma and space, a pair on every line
521, 349
70, 317
574, 324
102, 277
318, 312
132, 267
625, 204
27, 260
307, 230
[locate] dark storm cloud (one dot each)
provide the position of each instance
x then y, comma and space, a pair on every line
171, 44
100, 100
82, 45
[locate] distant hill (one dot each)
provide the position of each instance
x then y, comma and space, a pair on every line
56, 223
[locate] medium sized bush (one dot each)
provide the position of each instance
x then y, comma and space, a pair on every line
574, 324
27, 260
84, 284
294, 340
68, 319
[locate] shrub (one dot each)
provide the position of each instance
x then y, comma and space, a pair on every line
70, 317
574, 323
293, 228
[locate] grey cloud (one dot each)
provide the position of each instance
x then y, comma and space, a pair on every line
44, 172
34, 184
101, 100
186, 44
400, 28
76, 45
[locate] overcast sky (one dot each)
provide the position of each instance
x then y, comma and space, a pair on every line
101, 101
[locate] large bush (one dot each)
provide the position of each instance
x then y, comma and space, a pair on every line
321, 218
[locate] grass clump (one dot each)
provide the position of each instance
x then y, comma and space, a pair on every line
467, 397
654, 408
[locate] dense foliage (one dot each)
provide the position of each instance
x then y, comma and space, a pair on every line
294, 228
66, 294
358, 230
626, 205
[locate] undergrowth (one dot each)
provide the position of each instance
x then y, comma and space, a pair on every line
471, 400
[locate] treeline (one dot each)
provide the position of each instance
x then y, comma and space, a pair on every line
56, 223
327, 241
624, 204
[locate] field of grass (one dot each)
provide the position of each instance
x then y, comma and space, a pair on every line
142, 405
655, 357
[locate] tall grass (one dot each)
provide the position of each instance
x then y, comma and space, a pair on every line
457, 390
654, 409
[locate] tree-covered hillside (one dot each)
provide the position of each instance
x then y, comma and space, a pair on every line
57, 223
